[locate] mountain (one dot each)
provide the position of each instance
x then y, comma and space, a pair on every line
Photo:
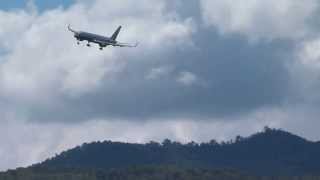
271, 152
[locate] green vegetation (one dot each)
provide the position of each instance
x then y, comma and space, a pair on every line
137, 173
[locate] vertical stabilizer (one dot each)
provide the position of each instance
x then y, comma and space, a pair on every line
116, 33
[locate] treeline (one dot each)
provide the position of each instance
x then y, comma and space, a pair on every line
138, 173
271, 152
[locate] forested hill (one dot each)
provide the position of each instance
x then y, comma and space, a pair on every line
139, 173
271, 152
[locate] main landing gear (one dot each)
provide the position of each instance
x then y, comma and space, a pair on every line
89, 45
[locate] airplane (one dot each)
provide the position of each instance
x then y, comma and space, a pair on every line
102, 41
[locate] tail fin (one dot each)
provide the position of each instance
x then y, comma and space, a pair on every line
116, 33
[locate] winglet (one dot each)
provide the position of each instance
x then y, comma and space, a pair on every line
70, 29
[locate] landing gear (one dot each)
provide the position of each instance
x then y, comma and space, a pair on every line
101, 48
78, 42
88, 45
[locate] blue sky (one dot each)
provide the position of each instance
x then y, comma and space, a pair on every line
42, 5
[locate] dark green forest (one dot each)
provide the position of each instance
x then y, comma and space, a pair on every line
139, 173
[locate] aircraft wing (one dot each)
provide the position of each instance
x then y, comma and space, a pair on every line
99, 42
126, 44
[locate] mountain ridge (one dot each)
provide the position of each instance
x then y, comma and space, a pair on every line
270, 152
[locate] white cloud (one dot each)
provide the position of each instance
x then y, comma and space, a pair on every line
309, 53
256, 19
42, 60
187, 78
158, 72
304, 70
41, 66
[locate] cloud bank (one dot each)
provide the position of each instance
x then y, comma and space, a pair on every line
284, 19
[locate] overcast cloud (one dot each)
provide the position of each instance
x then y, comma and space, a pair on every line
204, 69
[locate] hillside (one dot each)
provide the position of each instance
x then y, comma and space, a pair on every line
271, 152
136, 173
